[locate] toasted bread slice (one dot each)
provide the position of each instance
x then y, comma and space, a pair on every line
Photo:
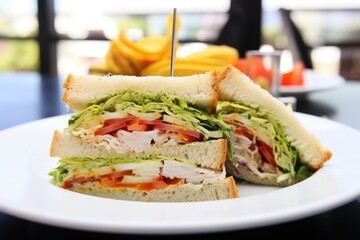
200, 90
222, 189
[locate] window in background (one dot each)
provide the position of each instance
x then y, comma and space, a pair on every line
327, 30
19, 55
75, 56
323, 24
102, 21
18, 30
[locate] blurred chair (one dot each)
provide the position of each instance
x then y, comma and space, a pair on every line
243, 28
296, 44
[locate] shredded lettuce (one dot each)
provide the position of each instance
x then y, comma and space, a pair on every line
302, 172
68, 166
126, 101
264, 123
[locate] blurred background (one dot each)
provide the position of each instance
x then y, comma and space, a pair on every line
57, 37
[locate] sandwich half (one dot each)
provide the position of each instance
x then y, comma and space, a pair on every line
271, 146
144, 139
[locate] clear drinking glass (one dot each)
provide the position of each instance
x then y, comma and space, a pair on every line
264, 69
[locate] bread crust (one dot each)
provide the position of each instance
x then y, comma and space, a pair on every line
215, 87
222, 189
68, 83
237, 87
200, 89
55, 141
222, 144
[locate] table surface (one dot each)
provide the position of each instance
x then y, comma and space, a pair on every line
26, 97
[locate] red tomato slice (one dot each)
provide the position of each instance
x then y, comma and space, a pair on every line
127, 185
117, 174
298, 74
178, 129
136, 126
240, 64
257, 69
188, 138
294, 77
108, 182
110, 128
150, 122
286, 78
152, 185
166, 127
132, 123
112, 183
242, 130
266, 153
111, 121
82, 179
173, 181
191, 133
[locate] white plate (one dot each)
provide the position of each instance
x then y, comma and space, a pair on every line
25, 190
313, 81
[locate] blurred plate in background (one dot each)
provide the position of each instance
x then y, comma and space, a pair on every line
313, 81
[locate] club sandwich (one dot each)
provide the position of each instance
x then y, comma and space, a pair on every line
144, 139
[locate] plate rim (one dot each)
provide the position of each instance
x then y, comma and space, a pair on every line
336, 81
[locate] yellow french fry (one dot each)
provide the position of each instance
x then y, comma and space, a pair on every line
184, 70
224, 53
128, 52
112, 66
182, 67
151, 56
121, 62
192, 62
128, 55
169, 25
155, 48
151, 68
150, 42
99, 69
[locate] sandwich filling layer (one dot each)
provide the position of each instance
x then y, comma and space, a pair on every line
134, 121
141, 174
260, 143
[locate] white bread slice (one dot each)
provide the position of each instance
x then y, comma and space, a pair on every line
199, 89
236, 86
223, 189
210, 154
244, 174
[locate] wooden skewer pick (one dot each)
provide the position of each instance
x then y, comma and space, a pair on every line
173, 37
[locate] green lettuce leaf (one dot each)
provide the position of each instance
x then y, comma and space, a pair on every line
263, 122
